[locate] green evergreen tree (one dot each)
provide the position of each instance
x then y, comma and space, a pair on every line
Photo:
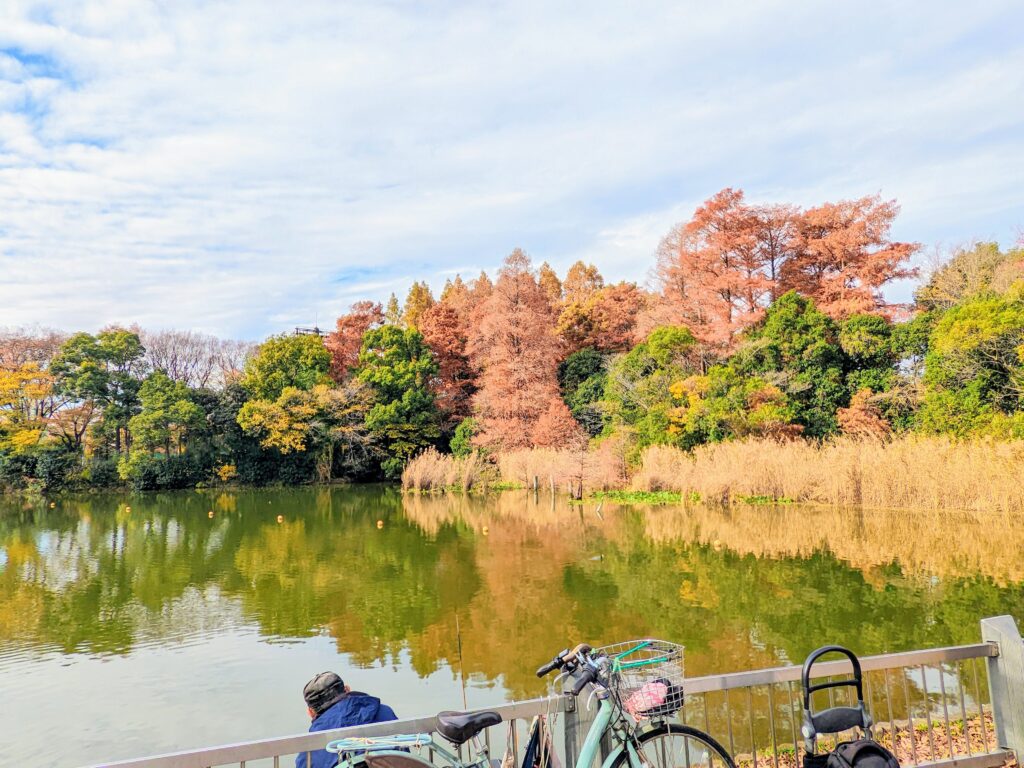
399, 367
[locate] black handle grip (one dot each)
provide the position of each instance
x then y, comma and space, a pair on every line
805, 674
588, 676
552, 665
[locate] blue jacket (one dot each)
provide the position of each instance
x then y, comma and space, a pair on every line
354, 709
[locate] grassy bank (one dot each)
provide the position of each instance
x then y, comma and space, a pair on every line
906, 473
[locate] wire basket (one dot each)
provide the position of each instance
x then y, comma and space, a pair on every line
646, 676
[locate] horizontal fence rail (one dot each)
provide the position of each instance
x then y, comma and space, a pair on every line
933, 707
279, 747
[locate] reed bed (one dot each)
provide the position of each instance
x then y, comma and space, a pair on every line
442, 472
912, 472
600, 469
909, 472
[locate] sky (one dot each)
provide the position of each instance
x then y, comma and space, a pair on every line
242, 168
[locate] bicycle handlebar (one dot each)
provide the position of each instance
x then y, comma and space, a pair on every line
551, 666
563, 658
589, 676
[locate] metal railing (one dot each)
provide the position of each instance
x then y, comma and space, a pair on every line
932, 707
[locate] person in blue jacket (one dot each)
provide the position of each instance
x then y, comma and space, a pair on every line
332, 704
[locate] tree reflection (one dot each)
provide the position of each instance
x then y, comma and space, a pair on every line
740, 588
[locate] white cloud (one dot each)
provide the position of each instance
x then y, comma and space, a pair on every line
239, 168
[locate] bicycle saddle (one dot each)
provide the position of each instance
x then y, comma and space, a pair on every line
460, 727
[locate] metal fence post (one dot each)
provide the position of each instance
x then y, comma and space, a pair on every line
572, 731
1006, 681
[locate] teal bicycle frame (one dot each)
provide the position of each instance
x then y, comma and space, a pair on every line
350, 751
592, 743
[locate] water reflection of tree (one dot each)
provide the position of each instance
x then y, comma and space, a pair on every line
741, 588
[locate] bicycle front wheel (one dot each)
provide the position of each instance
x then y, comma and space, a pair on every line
676, 746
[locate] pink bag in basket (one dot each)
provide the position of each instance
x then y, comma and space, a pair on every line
645, 698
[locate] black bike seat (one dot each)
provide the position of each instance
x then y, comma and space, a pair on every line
460, 727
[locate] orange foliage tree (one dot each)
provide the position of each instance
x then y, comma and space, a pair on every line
347, 338
445, 333
556, 428
719, 271
513, 344
843, 255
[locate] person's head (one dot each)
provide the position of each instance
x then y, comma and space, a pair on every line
322, 692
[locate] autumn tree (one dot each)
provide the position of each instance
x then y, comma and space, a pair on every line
720, 270
446, 335
327, 421
392, 312
513, 344
457, 295
347, 338
844, 255
556, 428
24, 390
970, 272
711, 270
581, 282
548, 279
863, 418
575, 311
726, 403
605, 319
480, 289
419, 300
25, 345
774, 227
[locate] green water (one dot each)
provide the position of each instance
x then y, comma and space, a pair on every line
132, 625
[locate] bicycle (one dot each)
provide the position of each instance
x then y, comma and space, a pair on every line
638, 686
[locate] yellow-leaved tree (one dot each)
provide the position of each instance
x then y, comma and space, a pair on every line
24, 395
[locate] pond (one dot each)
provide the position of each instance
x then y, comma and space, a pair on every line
137, 624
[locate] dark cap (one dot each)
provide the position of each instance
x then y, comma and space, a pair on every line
322, 691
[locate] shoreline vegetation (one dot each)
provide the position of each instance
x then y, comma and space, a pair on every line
763, 365
912, 472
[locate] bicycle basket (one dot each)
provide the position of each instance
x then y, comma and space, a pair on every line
646, 676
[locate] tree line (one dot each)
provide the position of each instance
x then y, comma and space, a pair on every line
763, 320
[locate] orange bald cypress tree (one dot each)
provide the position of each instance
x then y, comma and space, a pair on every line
711, 270
445, 334
513, 344
843, 255
347, 338
720, 270
556, 428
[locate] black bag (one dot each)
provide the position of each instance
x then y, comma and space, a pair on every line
861, 753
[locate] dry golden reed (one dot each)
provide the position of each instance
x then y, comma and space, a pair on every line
908, 473
435, 471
